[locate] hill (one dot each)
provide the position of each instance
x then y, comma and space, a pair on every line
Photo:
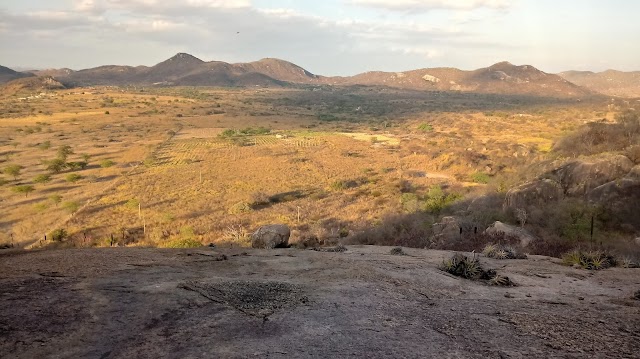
186, 70
7, 74
501, 78
610, 82
30, 85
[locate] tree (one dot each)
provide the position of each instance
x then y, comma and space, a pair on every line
86, 157
43, 178
64, 152
55, 165
13, 170
26, 189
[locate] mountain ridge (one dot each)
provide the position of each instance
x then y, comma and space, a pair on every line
184, 69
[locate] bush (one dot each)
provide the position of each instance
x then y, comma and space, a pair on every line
240, 207
425, 127
77, 165
480, 177
106, 163
55, 165
42, 178
58, 235
71, 206
73, 177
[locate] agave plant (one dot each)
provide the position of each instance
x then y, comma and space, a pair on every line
462, 266
489, 250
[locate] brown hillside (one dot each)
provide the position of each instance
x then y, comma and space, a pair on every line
501, 78
187, 70
610, 82
30, 85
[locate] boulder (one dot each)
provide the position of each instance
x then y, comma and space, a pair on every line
540, 191
448, 229
579, 177
271, 236
522, 234
621, 198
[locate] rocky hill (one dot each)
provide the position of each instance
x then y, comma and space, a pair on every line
501, 78
610, 82
187, 70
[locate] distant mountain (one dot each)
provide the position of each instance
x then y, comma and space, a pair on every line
187, 70
7, 74
610, 82
501, 78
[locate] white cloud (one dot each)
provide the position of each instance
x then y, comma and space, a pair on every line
426, 5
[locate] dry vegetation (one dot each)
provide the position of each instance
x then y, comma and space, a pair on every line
177, 167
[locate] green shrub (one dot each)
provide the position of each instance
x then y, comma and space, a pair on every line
480, 177
43, 178
71, 206
26, 189
106, 163
73, 177
425, 127
80, 165
58, 235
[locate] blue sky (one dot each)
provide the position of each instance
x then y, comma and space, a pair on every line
330, 37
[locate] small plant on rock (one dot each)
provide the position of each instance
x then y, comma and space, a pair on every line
499, 251
591, 260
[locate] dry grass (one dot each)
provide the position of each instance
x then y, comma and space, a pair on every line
170, 159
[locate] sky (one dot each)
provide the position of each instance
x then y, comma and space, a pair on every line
327, 37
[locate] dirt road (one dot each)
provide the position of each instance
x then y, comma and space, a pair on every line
365, 302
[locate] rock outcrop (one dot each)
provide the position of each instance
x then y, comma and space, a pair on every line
535, 192
579, 177
271, 236
520, 233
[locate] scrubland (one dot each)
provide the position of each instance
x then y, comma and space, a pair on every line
176, 167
